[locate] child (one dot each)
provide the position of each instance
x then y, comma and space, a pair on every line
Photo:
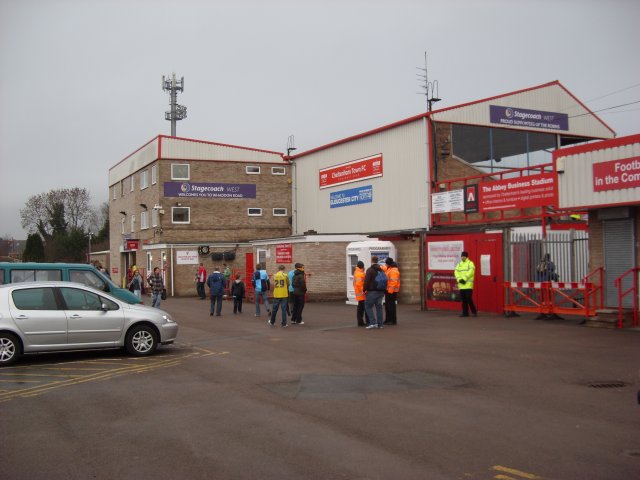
237, 291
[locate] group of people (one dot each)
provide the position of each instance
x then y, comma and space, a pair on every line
289, 290
136, 284
378, 283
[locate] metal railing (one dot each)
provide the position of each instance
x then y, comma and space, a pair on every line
633, 289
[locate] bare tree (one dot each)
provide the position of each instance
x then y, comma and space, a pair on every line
40, 210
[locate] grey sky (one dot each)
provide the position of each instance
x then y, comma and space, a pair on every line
81, 79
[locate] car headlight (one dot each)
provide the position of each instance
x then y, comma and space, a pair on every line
168, 319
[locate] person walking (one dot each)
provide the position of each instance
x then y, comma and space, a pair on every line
358, 287
280, 296
299, 291
464, 273
216, 284
391, 295
136, 284
375, 286
201, 278
157, 287
290, 302
261, 287
237, 291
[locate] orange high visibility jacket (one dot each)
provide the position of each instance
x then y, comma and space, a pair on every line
393, 279
358, 283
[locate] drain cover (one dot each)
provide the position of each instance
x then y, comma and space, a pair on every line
611, 384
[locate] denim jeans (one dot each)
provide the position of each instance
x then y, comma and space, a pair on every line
156, 298
374, 298
265, 300
282, 304
218, 308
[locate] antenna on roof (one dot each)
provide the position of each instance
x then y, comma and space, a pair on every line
430, 88
290, 145
177, 112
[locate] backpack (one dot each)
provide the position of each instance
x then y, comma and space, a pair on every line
381, 281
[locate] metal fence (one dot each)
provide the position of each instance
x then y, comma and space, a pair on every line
569, 251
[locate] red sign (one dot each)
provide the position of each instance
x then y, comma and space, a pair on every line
132, 245
349, 172
521, 192
616, 174
284, 253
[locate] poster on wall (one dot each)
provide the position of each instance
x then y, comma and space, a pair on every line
354, 171
616, 174
284, 253
442, 287
445, 202
444, 255
353, 196
209, 190
186, 257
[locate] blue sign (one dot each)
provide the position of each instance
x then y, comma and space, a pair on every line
353, 196
209, 190
520, 117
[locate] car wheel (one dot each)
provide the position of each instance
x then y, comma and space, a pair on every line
9, 349
141, 340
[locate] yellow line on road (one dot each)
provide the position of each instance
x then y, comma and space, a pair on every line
513, 471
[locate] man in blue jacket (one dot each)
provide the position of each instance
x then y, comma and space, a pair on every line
216, 283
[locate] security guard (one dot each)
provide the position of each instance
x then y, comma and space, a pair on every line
391, 296
464, 273
358, 287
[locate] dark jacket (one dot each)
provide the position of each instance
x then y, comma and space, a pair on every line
237, 289
370, 278
299, 283
216, 283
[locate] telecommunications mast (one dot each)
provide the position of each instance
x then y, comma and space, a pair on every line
177, 112
430, 88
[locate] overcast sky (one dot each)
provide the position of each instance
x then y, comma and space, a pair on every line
81, 79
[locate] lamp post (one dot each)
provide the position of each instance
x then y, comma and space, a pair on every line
90, 234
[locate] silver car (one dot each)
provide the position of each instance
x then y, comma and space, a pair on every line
58, 316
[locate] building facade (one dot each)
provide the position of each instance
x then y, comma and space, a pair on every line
175, 196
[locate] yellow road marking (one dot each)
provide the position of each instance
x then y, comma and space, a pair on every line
134, 366
513, 471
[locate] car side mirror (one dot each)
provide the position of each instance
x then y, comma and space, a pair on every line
104, 307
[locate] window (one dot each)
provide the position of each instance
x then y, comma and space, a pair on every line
35, 275
254, 212
77, 299
34, 299
279, 212
154, 175
278, 171
144, 220
114, 193
180, 171
154, 217
133, 182
181, 214
133, 223
122, 225
122, 188
252, 170
88, 278
144, 179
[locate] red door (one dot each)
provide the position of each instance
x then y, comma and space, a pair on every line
487, 292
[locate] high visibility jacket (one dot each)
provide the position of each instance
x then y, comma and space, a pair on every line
358, 283
393, 279
465, 270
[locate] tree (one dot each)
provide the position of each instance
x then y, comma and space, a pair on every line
57, 210
34, 249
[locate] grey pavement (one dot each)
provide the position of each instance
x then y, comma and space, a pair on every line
435, 397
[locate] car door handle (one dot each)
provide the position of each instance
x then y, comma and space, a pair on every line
75, 315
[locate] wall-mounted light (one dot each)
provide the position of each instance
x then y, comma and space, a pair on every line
123, 213
144, 205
